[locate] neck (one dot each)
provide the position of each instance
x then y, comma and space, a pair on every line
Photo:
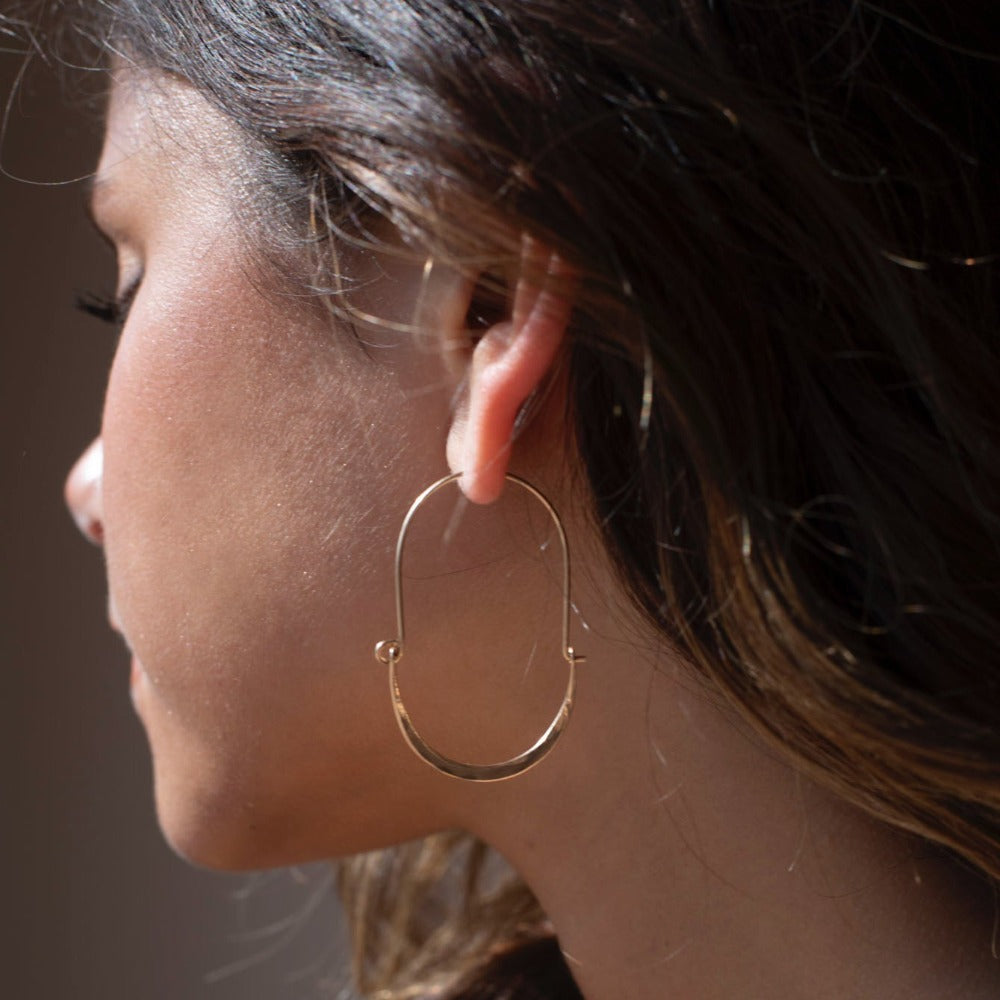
676, 856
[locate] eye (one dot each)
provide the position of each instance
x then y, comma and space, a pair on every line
113, 311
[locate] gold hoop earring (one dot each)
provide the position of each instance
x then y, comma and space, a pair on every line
390, 652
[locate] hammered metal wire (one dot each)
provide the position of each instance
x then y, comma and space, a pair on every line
390, 652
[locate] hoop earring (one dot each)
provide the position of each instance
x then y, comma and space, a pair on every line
390, 652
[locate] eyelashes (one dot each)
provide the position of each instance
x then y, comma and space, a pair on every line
108, 310
100, 307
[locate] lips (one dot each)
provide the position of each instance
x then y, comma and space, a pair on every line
113, 620
136, 686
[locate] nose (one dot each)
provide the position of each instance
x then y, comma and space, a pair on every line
83, 492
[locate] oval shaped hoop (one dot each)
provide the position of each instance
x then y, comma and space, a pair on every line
390, 652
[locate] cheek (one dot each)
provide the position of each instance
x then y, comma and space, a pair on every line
240, 468
253, 488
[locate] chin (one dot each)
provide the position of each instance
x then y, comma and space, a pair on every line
226, 832
219, 830
233, 808
211, 844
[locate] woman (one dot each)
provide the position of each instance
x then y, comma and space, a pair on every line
716, 282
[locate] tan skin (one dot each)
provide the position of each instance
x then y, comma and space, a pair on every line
256, 465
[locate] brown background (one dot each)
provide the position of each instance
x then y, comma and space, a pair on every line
93, 904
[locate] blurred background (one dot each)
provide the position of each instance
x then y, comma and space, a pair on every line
94, 905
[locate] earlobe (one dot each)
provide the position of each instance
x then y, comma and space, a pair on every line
507, 365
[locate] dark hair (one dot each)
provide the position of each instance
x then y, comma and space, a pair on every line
784, 364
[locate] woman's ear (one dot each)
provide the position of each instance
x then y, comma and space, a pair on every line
507, 365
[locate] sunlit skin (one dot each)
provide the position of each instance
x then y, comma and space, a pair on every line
257, 458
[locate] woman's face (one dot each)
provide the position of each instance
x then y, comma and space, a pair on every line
257, 458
